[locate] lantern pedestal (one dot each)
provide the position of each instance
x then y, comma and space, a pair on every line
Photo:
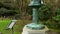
31, 31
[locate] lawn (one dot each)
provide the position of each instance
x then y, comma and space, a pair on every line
4, 24
17, 27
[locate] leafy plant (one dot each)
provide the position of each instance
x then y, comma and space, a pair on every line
44, 12
55, 23
5, 12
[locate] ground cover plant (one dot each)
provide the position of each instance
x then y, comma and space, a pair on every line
4, 24
18, 27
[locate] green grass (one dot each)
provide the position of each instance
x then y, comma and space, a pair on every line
18, 27
55, 30
3, 25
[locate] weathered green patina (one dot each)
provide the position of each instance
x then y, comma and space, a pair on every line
35, 4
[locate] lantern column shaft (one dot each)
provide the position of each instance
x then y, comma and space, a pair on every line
35, 15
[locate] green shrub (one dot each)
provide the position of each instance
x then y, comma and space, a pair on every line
5, 12
55, 23
45, 12
57, 20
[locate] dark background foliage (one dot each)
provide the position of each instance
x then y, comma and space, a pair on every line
49, 12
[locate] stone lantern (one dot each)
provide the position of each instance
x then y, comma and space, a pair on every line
35, 4
35, 27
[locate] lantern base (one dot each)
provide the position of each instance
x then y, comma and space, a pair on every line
35, 26
31, 31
